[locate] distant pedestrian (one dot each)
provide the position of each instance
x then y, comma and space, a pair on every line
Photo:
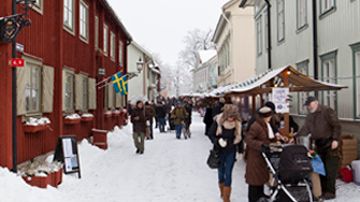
160, 110
208, 119
227, 132
218, 108
179, 115
139, 127
150, 114
188, 120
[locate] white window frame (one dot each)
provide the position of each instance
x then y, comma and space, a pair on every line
38, 6
259, 35
84, 21
69, 12
357, 82
303, 67
69, 92
329, 74
121, 53
112, 46
301, 14
96, 32
326, 6
280, 13
85, 93
31, 87
106, 40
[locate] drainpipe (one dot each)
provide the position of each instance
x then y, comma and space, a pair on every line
14, 111
269, 33
315, 42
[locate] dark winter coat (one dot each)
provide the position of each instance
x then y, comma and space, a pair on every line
323, 125
138, 120
256, 169
160, 111
217, 109
188, 108
149, 112
208, 118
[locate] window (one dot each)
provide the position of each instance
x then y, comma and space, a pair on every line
301, 14
106, 39
121, 53
69, 14
328, 74
302, 67
259, 35
356, 61
33, 89
85, 94
96, 32
84, 21
266, 28
280, 20
326, 5
69, 78
112, 46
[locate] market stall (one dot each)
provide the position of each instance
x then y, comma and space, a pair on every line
279, 83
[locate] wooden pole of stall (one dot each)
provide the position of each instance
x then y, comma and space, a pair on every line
285, 78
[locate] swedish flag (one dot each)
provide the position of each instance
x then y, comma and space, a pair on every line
120, 83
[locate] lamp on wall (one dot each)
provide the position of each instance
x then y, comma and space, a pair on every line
140, 65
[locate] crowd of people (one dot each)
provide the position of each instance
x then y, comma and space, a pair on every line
168, 114
229, 131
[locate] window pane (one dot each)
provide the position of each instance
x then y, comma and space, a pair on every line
69, 92
357, 63
106, 35
96, 31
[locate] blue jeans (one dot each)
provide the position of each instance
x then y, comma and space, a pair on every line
178, 129
162, 124
227, 160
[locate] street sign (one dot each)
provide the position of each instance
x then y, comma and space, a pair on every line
16, 62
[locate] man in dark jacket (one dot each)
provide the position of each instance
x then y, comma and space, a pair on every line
188, 121
149, 114
218, 108
139, 126
161, 112
325, 129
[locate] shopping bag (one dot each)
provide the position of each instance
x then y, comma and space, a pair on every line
318, 165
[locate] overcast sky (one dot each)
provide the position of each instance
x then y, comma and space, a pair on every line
160, 25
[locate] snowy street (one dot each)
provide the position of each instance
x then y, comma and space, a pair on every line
170, 170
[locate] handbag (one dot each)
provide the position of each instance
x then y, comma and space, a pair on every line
213, 160
318, 165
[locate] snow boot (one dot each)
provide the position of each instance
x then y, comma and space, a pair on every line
221, 187
227, 193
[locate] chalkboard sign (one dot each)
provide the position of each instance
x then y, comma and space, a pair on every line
67, 153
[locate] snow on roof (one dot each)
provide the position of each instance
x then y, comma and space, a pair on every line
206, 55
296, 78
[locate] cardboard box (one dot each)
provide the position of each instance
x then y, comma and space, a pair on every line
349, 149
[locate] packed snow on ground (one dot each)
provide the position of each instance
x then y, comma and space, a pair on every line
170, 171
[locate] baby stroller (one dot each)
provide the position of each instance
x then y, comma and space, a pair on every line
290, 168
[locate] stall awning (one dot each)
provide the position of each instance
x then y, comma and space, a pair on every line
263, 83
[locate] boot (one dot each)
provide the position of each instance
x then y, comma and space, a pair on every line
227, 193
221, 187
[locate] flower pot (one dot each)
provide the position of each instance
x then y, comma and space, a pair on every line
56, 178
100, 138
36, 181
35, 129
72, 121
87, 119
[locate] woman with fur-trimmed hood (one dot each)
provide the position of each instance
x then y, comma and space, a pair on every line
227, 132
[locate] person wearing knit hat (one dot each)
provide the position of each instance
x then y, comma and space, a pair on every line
257, 139
227, 133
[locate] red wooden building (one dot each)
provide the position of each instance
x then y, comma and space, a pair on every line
70, 45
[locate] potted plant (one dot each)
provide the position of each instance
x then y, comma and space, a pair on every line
35, 125
72, 119
87, 117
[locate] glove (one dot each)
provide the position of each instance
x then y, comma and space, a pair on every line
222, 143
265, 148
